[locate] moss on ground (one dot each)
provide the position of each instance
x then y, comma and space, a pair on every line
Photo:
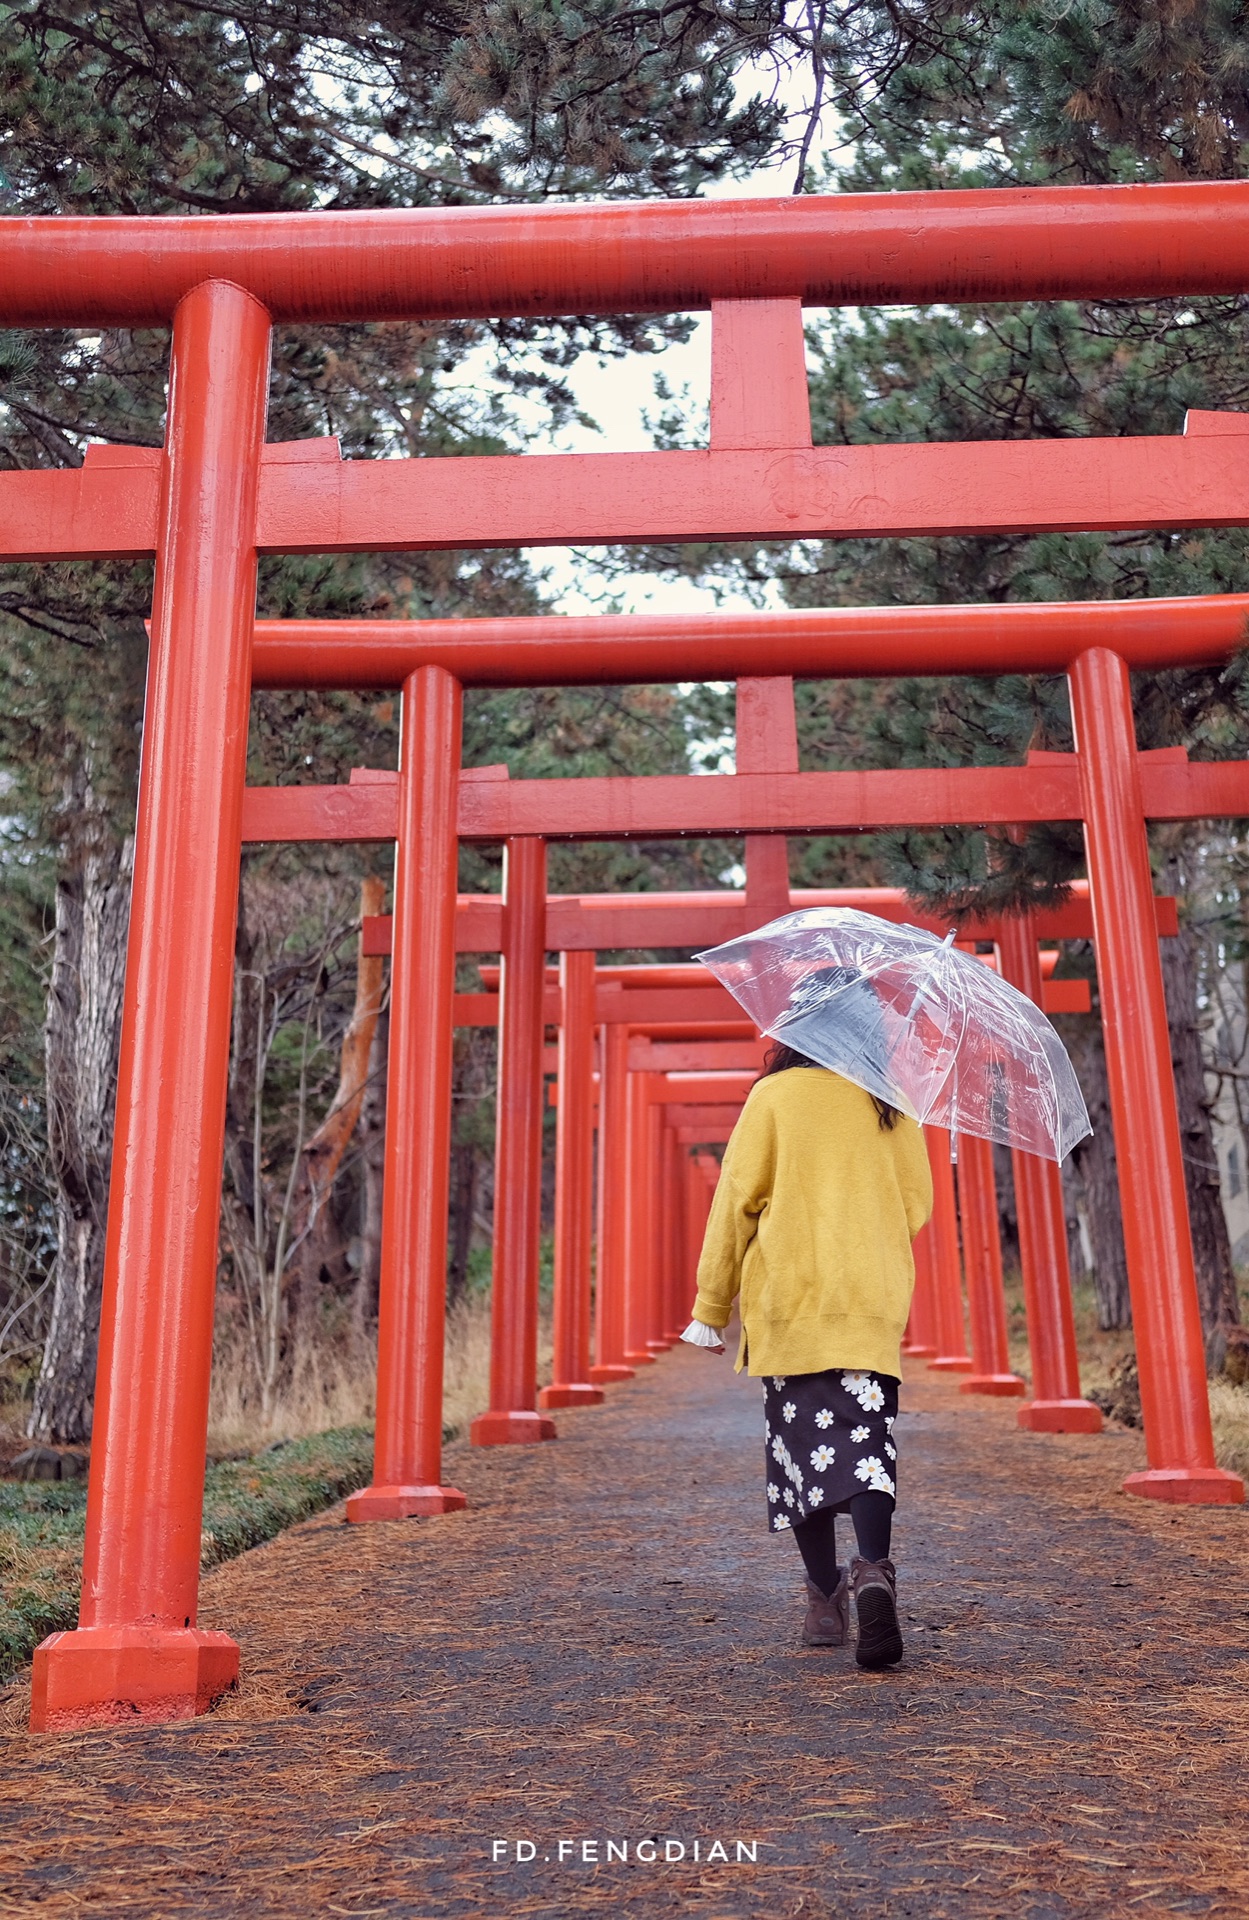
245, 1503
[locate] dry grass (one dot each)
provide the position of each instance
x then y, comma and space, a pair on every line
1100, 1352
332, 1385
1229, 1411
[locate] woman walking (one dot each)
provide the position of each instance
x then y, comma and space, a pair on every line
822, 1190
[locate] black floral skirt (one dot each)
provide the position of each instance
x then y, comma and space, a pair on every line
827, 1436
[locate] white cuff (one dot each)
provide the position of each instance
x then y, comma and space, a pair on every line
697, 1335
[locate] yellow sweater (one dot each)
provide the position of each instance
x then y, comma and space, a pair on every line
812, 1222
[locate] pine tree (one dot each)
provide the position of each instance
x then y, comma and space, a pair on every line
186, 108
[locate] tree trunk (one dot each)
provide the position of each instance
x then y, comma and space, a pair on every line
82, 1032
1098, 1174
323, 1153
372, 1129
1007, 1208
463, 1207
1212, 1252
1073, 1213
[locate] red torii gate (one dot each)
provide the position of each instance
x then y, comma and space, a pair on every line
699, 1073
768, 749
215, 496
409, 1444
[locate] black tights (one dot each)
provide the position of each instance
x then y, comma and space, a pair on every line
872, 1518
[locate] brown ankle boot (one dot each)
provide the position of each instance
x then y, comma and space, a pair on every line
827, 1622
875, 1586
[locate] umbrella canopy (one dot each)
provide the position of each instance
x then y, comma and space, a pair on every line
917, 1023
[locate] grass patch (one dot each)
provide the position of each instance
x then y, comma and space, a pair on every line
290, 1468
245, 1502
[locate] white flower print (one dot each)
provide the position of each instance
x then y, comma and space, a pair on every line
861, 1434
778, 1381
789, 1496
868, 1468
779, 1522
891, 1451
822, 1458
888, 1423
778, 1448
880, 1483
824, 1418
868, 1392
789, 1410
815, 1496
774, 1492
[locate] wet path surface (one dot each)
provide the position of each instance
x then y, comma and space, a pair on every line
605, 1649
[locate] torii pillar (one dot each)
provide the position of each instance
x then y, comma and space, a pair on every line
1057, 1405
1175, 1400
512, 1416
610, 1329
947, 1292
574, 1190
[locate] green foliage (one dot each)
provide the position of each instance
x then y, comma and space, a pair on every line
1015, 91
249, 1501
245, 1502
192, 108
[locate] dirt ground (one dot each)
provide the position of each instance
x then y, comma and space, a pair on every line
605, 1649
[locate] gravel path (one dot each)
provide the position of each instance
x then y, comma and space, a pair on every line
605, 1649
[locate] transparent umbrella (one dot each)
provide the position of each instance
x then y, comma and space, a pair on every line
907, 1016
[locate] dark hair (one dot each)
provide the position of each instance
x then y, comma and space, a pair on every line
779, 1058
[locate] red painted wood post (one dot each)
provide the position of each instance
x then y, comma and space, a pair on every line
952, 1355
920, 1342
681, 1277
697, 1201
639, 1235
1175, 1402
657, 1207
767, 742
574, 1190
1056, 1404
749, 413
610, 1364
137, 1652
982, 1259
412, 1290
678, 1235
512, 1416
663, 1238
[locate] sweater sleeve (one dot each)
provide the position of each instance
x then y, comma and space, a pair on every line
740, 1197
914, 1176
